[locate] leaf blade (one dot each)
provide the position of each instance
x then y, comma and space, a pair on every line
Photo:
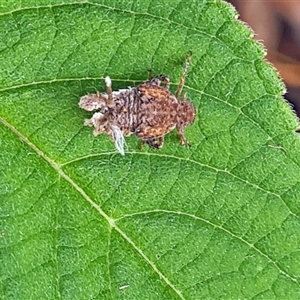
218, 220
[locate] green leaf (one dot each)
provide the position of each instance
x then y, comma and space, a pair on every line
79, 221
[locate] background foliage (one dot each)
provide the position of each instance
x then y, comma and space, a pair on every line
78, 221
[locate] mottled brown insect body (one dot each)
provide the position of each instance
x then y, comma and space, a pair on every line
149, 111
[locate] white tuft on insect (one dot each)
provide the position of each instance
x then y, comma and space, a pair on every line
118, 138
108, 81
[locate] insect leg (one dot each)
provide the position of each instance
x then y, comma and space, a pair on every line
183, 76
156, 143
183, 140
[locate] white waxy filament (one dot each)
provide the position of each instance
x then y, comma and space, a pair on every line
118, 138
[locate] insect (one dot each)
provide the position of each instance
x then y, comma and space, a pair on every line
149, 111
